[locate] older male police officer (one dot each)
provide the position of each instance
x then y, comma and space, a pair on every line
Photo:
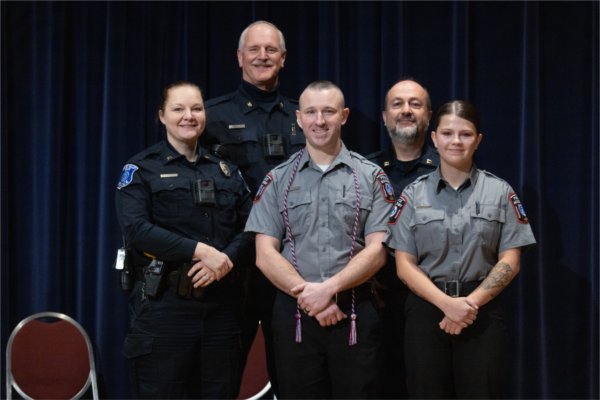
256, 129
319, 219
406, 117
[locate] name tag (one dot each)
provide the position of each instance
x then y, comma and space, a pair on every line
237, 126
169, 175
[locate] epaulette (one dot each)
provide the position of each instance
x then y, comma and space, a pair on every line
293, 101
421, 178
154, 149
360, 157
219, 100
227, 168
490, 174
375, 156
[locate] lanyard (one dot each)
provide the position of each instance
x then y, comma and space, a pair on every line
353, 338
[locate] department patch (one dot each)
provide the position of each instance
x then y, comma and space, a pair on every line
263, 187
386, 188
397, 210
518, 207
127, 175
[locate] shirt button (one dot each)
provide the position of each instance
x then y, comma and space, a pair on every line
324, 249
324, 224
323, 199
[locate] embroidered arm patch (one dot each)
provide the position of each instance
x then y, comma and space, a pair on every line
126, 175
397, 210
263, 187
518, 207
386, 187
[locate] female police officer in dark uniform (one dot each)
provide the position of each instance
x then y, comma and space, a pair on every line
182, 211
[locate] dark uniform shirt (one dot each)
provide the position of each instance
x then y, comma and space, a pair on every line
258, 130
157, 211
401, 174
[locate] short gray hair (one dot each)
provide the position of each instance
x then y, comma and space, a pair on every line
245, 32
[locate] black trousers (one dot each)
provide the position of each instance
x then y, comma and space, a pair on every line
442, 366
183, 348
394, 378
324, 365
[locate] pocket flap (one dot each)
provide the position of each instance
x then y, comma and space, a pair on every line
137, 345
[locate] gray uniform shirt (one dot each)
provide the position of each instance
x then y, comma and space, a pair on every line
321, 210
458, 234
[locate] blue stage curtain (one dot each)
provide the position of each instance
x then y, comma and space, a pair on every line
81, 83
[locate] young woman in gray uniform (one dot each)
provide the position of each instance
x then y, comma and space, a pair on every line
458, 234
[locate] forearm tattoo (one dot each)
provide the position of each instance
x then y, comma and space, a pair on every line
498, 277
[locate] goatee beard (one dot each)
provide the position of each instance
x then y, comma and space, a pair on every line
406, 135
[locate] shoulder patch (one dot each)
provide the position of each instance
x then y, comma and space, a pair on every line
397, 210
386, 187
518, 208
127, 175
263, 187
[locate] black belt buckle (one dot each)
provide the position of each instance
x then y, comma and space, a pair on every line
452, 288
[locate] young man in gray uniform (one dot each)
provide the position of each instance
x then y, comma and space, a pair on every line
406, 117
319, 219
256, 129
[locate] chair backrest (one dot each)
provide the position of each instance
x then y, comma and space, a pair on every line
50, 356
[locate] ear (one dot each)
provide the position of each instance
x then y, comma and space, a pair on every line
298, 119
383, 115
283, 58
434, 138
239, 57
161, 116
479, 139
345, 114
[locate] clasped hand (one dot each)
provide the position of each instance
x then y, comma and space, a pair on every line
213, 266
315, 300
459, 314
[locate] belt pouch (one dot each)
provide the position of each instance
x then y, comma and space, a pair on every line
185, 287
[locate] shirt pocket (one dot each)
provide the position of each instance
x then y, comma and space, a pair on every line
345, 209
429, 229
299, 214
239, 135
487, 224
171, 199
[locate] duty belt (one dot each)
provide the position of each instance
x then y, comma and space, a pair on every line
457, 288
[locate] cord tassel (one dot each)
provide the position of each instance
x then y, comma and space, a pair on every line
353, 339
298, 327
